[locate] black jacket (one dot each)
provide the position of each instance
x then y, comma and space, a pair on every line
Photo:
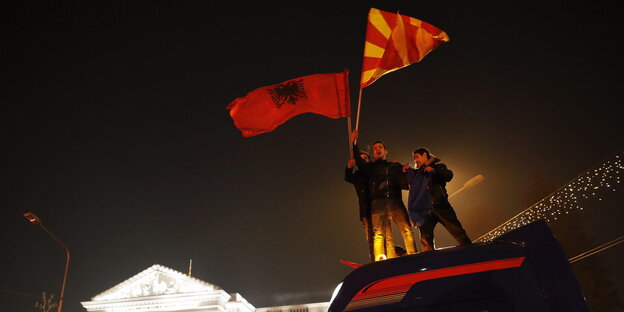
385, 179
437, 184
360, 182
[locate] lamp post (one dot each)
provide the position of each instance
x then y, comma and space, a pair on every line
32, 218
470, 183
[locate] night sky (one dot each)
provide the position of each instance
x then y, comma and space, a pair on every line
115, 133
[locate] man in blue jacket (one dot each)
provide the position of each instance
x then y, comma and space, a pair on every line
428, 200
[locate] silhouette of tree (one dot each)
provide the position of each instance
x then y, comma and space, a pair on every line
46, 304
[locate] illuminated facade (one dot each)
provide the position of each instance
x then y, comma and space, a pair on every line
159, 288
308, 307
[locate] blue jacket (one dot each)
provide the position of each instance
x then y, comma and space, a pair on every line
427, 190
419, 204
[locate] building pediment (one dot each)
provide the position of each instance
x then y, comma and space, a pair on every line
161, 289
156, 280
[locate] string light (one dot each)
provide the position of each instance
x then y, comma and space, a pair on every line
570, 197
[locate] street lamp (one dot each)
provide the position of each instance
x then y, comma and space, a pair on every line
32, 218
470, 183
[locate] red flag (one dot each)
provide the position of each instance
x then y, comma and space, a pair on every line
264, 109
350, 263
394, 41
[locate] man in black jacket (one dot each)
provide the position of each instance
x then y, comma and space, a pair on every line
386, 180
434, 175
356, 177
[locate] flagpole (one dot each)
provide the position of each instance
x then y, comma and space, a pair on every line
346, 79
349, 137
357, 117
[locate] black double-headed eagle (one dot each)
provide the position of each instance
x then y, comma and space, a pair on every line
287, 93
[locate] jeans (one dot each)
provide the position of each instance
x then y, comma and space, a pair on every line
382, 211
442, 213
388, 241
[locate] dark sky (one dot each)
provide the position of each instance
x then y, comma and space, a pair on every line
115, 132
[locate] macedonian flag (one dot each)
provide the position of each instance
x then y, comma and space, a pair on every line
394, 41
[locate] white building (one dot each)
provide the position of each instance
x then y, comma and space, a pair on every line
159, 288
308, 307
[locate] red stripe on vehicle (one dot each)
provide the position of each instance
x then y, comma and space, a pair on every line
402, 283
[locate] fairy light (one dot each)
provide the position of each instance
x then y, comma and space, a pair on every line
589, 185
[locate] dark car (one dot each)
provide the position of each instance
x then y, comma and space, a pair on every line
523, 270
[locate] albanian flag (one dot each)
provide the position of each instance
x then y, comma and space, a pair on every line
394, 41
264, 109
